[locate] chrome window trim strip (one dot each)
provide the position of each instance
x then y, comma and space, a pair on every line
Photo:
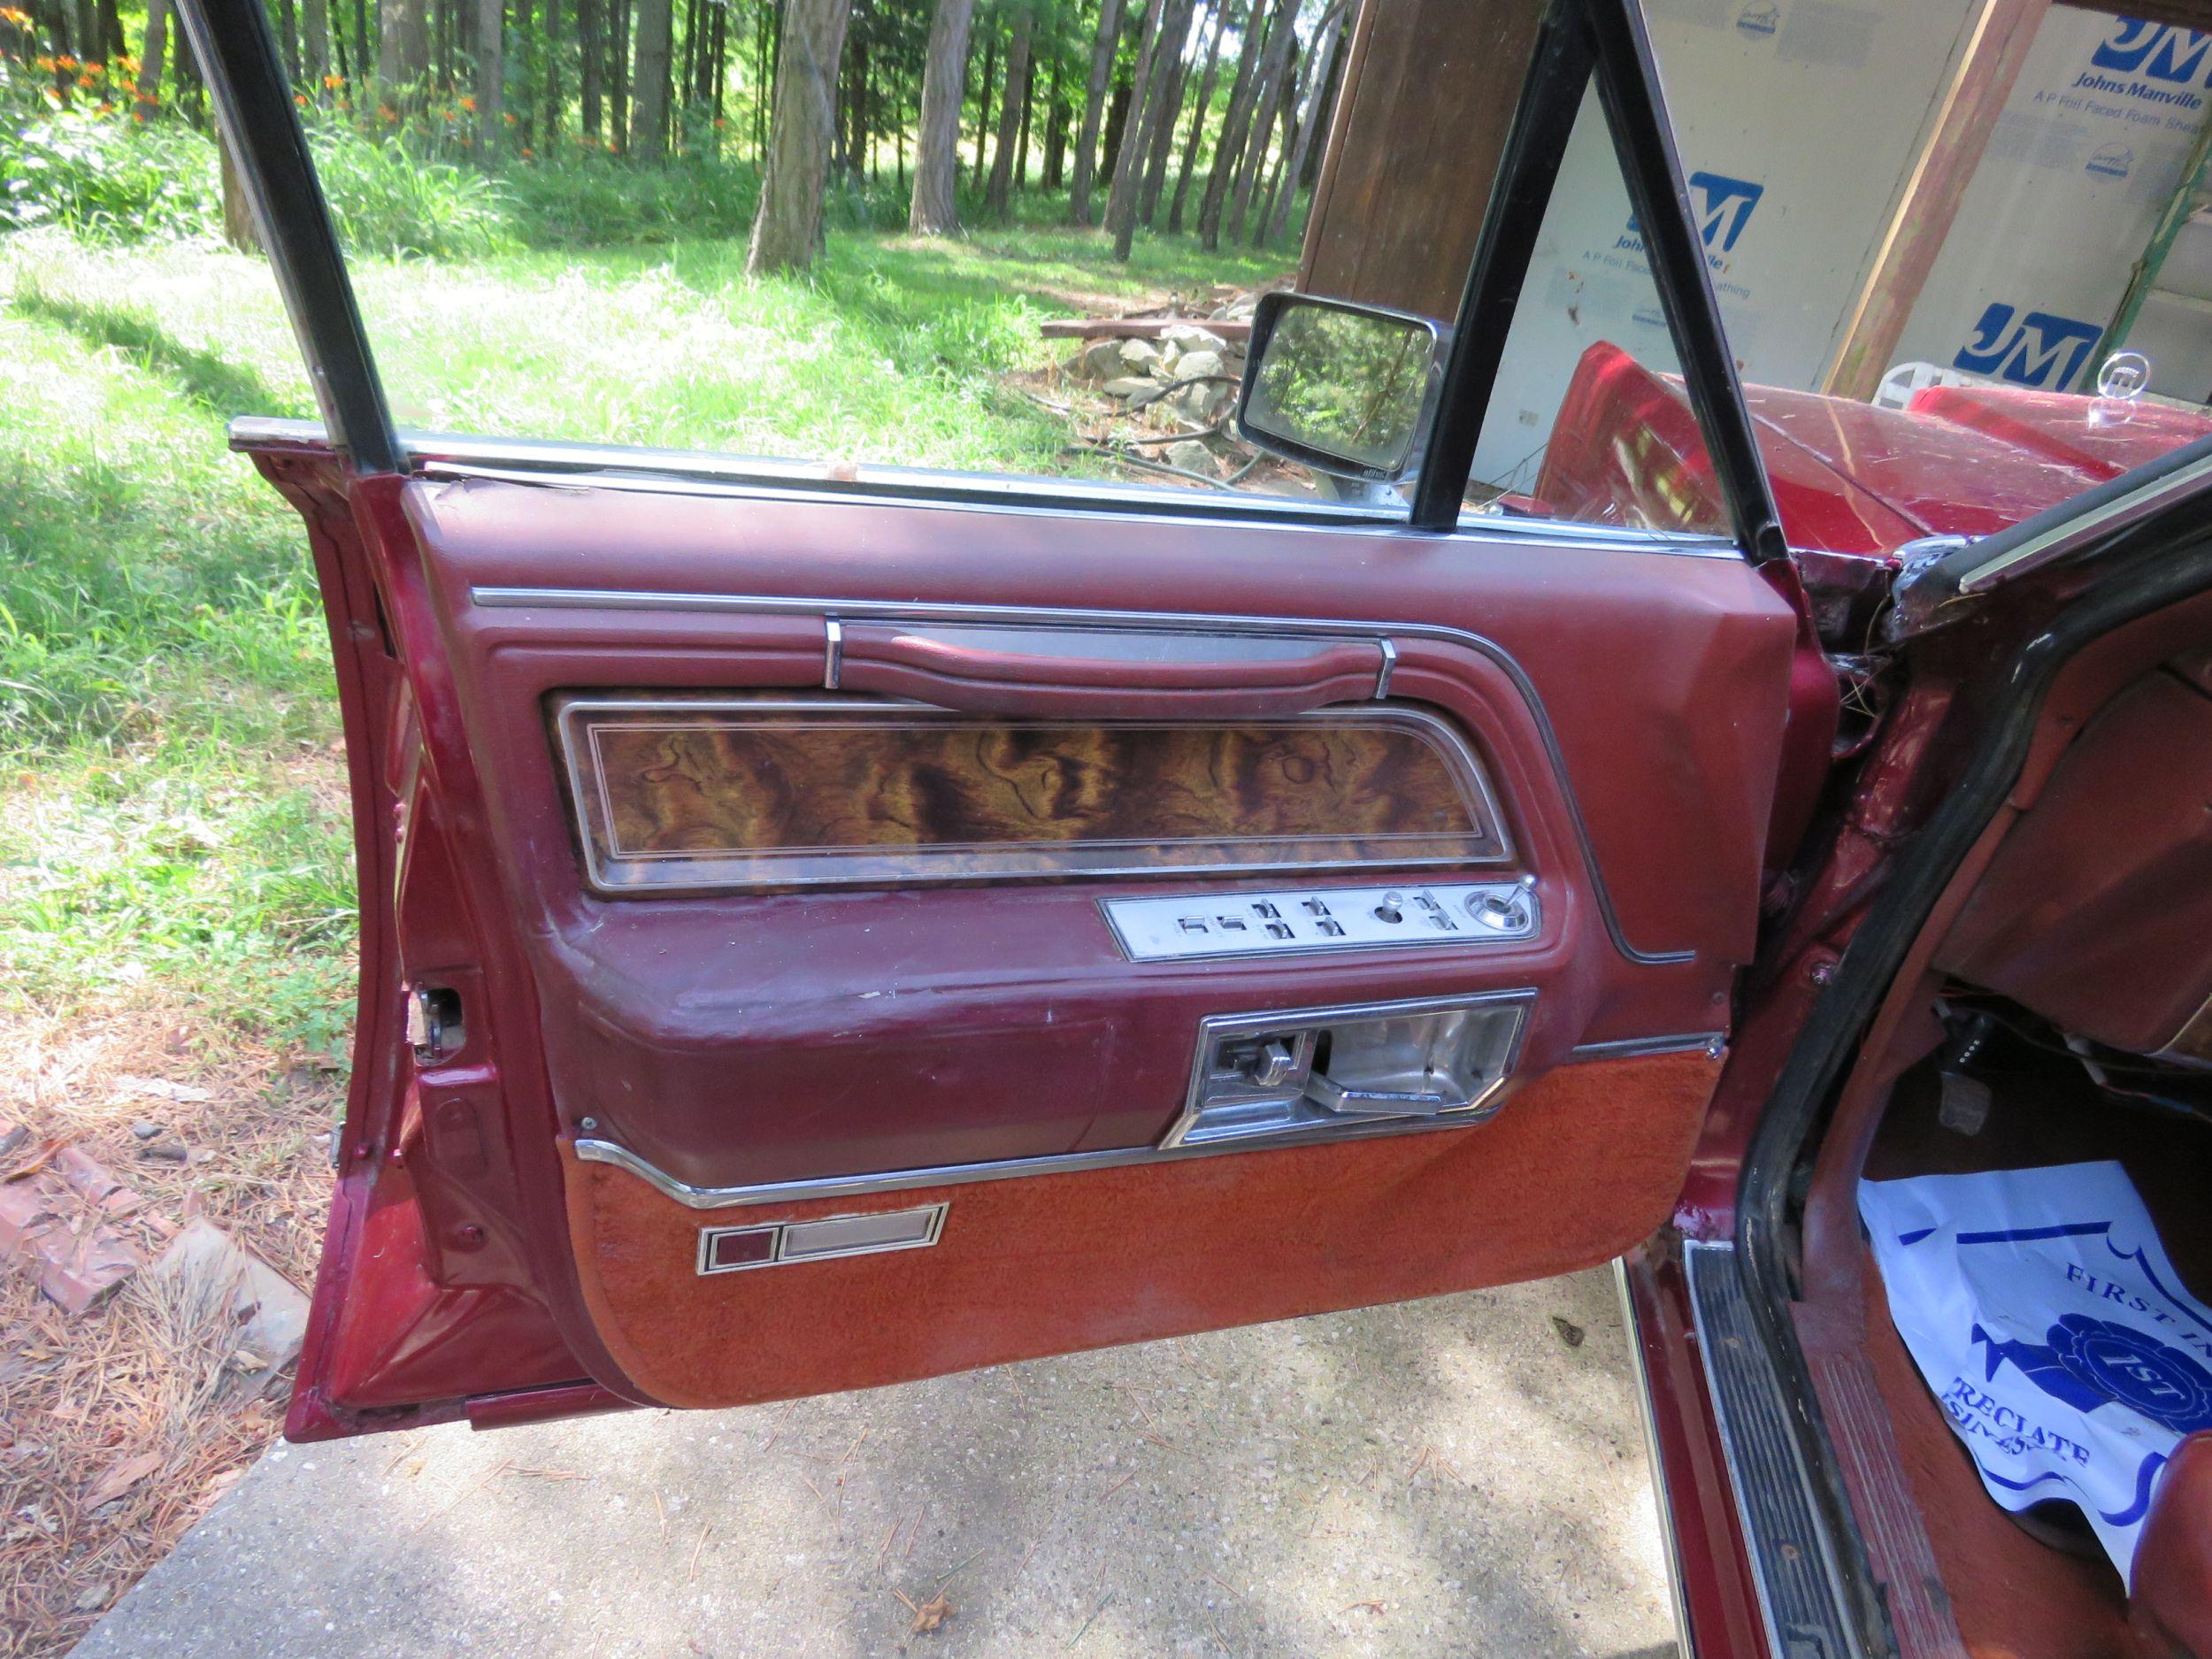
2061, 540
592, 1149
581, 761
554, 461
493, 598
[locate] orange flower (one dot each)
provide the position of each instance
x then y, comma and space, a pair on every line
67, 63
527, 155
300, 98
469, 104
387, 113
95, 69
331, 83
104, 109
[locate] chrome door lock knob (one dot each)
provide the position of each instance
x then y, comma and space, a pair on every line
1271, 1066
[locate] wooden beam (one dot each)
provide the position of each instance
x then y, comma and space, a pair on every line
1987, 71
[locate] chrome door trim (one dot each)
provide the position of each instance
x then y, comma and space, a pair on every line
1713, 1042
498, 598
555, 461
592, 1149
2078, 532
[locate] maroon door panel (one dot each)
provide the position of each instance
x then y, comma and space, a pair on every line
1614, 715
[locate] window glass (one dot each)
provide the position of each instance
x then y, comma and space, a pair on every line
604, 271
1964, 271
1590, 420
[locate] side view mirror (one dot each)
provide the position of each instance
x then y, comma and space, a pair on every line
1345, 389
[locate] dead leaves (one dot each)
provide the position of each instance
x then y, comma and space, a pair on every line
119, 1478
929, 1615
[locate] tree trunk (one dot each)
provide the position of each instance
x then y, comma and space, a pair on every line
315, 19
1021, 139
1275, 69
155, 49
491, 78
1236, 124
1198, 120
549, 57
238, 227
1129, 147
1055, 131
649, 79
1162, 64
403, 51
936, 147
1163, 147
983, 98
1094, 106
789, 227
997, 196
588, 66
618, 74
1311, 119
288, 34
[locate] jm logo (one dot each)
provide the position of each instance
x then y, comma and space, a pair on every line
1724, 208
2160, 51
2030, 348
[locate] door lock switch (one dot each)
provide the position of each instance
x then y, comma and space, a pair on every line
1468, 914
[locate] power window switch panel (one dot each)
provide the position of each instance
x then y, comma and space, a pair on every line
1324, 919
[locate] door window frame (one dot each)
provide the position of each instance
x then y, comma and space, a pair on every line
236, 48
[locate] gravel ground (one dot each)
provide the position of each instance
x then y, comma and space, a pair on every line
1462, 1476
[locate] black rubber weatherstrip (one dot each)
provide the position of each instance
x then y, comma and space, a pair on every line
237, 54
2171, 561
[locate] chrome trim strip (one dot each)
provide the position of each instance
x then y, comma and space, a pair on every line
1636, 1048
586, 779
592, 1150
1389, 666
2059, 539
595, 1151
1668, 1541
833, 652
543, 461
1766, 1471
630, 599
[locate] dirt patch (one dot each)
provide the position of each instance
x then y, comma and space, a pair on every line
118, 1428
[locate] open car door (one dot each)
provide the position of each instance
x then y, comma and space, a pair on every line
821, 933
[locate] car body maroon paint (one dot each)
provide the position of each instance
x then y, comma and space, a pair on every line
1848, 476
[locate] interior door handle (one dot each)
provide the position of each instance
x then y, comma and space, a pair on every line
1007, 668
1332, 1095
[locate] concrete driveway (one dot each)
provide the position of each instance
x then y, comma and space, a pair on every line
1453, 1477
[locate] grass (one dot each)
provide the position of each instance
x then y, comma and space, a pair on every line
173, 824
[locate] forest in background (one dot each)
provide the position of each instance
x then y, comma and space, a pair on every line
605, 120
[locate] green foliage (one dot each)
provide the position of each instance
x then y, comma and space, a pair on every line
105, 179
166, 716
389, 200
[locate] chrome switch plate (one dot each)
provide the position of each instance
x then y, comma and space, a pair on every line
1323, 918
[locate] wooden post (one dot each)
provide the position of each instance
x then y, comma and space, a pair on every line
1987, 71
